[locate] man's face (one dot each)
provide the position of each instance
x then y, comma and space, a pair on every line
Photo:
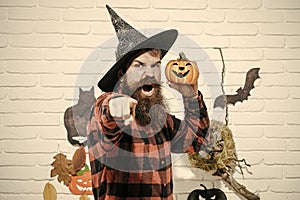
142, 82
144, 71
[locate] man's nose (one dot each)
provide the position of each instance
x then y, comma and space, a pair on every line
149, 72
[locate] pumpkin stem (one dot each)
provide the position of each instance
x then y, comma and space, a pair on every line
182, 56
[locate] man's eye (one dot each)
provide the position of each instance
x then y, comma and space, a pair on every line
156, 65
138, 65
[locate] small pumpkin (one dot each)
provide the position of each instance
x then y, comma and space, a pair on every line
81, 183
182, 70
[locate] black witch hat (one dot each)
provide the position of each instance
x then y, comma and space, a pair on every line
130, 41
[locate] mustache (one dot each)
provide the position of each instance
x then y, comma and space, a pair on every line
141, 83
147, 110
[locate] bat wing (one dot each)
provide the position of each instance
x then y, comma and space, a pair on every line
220, 102
232, 99
242, 93
229, 99
251, 76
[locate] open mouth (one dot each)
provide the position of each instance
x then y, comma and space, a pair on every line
148, 90
181, 75
84, 189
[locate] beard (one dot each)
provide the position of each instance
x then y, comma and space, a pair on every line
149, 110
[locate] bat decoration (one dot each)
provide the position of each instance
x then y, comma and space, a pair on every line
207, 194
242, 93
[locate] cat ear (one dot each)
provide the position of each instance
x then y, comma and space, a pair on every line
80, 90
92, 89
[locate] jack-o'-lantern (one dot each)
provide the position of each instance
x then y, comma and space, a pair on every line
81, 183
182, 70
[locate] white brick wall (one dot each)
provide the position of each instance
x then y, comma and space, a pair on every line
43, 45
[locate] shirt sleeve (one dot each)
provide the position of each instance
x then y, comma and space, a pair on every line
189, 134
186, 135
102, 121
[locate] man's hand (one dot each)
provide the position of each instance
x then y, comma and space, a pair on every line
186, 90
123, 107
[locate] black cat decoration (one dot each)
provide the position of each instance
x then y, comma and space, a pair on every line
76, 117
207, 194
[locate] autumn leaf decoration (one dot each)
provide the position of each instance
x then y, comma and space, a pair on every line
63, 168
79, 159
49, 192
84, 197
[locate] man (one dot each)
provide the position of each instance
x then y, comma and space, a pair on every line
131, 136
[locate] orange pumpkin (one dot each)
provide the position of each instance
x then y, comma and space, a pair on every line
182, 70
82, 182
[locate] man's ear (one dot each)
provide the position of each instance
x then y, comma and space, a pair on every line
120, 74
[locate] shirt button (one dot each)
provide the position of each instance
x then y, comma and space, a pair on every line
162, 162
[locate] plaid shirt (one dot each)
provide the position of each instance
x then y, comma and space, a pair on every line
129, 162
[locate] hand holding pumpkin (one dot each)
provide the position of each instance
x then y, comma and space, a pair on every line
183, 75
185, 89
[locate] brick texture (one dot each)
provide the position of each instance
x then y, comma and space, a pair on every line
34, 14
48, 49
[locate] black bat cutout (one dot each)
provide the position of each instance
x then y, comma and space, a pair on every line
242, 93
208, 194
180, 75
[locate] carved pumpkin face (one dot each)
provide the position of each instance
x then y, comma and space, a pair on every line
182, 71
81, 184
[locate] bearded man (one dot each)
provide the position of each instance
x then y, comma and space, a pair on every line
131, 136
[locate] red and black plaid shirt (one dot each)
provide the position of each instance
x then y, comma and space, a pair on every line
130, 162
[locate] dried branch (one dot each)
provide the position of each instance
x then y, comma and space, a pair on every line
239, 188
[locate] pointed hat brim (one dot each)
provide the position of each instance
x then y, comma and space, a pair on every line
163, 41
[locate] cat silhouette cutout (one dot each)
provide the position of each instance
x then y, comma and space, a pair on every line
76, 117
